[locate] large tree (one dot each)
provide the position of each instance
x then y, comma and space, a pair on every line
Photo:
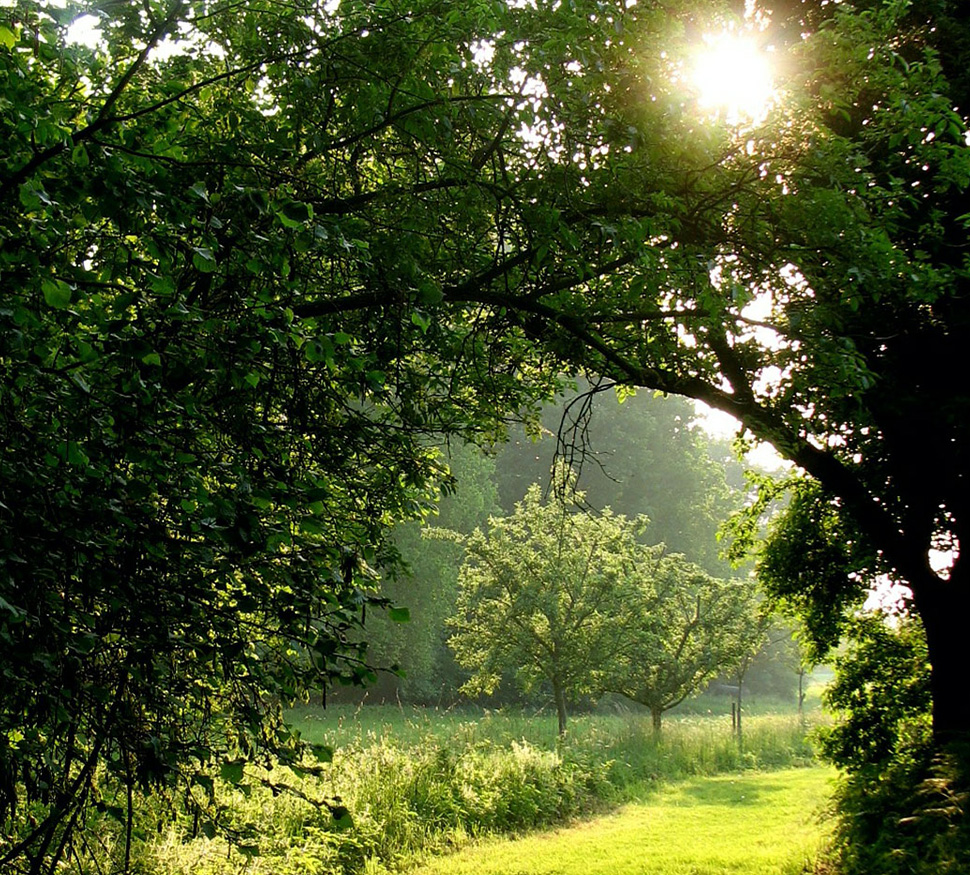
199, 460
648, 233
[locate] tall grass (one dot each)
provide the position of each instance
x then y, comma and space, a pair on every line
417, 782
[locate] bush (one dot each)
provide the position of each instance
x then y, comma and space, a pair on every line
406, 801
900, 806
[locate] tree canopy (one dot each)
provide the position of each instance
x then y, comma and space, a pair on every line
540, 594
678, 630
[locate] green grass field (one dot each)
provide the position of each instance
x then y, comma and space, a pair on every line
419, 783
749, 824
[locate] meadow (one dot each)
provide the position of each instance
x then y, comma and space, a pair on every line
409, 784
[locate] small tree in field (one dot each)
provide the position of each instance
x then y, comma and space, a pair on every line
680, 627
540, 591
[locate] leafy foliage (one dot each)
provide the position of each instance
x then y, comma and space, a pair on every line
881, 694
679, 629
539, 594
901, 804
200, 456
557, 594
246, 281
811, 561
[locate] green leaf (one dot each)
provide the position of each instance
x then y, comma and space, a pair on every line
72, 453
203, 259
57, 293
295, 214
163, 285
399, 615
79, 155
429, 293
232, 772
7, 37
199, 191
420, 320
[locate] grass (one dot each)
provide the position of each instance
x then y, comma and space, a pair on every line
419, 782
748, 824
693, 742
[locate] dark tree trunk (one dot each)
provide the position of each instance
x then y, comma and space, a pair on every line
657, 715
560, 707
944, 608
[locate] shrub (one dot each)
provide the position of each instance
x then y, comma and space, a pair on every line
899, 808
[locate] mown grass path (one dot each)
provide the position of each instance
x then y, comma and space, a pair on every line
742, 824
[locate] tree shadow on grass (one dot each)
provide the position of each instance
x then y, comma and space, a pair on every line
734, 791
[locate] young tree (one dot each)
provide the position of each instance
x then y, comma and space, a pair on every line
540, 593
679, 628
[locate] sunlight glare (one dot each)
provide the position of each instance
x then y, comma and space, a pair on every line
733, 76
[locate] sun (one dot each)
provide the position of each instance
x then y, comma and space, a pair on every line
733, 76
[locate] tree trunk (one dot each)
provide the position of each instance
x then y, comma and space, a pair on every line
740, 680
944, 608
657, 715
560, 707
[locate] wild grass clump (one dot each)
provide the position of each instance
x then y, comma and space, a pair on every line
405, 801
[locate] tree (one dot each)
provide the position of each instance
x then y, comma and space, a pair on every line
846, 210
679, 628
751, 641
200, 458
540, 591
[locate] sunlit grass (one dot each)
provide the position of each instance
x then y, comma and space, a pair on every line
750, 824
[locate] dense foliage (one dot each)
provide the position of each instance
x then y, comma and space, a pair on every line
200, 459
901, 804
644, 455
420, 782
